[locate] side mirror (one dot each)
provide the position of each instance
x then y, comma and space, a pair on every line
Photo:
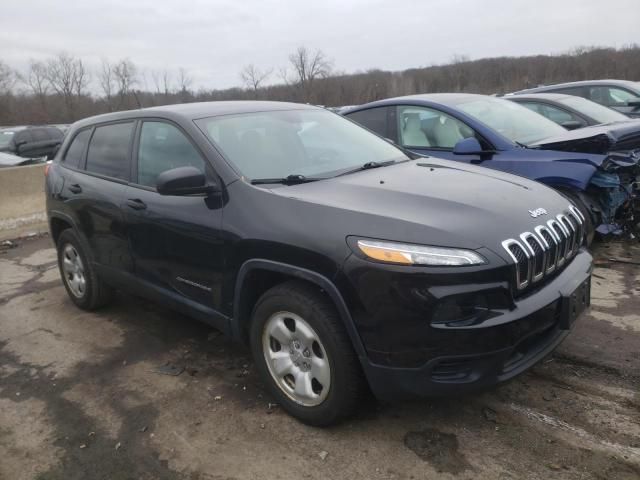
468, 146
571, 124
183, 181
633, 103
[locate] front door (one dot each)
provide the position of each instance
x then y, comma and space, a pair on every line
175, 240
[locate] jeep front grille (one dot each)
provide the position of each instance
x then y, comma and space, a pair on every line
548, 247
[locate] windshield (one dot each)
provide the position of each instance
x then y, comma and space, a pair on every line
312, 143
517, 123
599, 113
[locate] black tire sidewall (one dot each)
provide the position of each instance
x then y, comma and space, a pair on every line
332, 407
69, 237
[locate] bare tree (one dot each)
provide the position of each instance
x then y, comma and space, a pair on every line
184, 80
107, 82
253, 77
36, 79
125, 74
8, 78
68, 77
309, 66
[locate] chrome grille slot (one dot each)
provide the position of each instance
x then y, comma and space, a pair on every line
570, 232
562, 237
522, 259
539, 253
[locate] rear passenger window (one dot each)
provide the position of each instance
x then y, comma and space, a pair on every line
164, 147
75, 152
375, 119
109, 150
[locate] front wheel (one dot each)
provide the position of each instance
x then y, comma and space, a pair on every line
304, 354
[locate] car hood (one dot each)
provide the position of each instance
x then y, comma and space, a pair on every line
430, 201
601, 139
9, 160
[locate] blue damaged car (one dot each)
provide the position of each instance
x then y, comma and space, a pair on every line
596, 167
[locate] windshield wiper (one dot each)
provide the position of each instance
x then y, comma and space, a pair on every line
288, 180
524, 145
368, 166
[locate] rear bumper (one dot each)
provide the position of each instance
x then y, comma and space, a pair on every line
519, 340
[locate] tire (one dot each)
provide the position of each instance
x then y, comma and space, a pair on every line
79, 277
577, 200
316, 356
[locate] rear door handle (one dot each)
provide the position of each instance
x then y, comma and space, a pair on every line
136, 204
75, 188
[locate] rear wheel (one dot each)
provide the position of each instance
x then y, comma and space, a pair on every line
83, 286
304, 354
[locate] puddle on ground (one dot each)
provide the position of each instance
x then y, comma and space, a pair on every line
438, 448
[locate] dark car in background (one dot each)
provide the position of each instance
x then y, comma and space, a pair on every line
30, 141
569, 111
502, 135
621, 95
339, 258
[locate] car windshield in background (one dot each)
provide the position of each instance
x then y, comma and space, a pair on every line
517, 123
5, 138
594, 110
310, 143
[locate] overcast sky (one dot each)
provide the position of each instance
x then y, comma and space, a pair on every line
214, 39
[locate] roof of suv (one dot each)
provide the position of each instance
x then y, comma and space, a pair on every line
540, 96
194, 111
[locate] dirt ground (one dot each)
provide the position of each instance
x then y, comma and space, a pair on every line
87, 396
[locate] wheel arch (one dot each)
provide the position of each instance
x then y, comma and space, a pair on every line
257, 270
58, 222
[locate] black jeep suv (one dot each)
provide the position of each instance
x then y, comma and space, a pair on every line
343, 261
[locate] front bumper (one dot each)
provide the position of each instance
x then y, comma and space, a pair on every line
457, 359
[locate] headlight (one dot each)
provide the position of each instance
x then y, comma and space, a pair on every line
402, 253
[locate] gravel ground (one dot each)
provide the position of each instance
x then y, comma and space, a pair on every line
87, 396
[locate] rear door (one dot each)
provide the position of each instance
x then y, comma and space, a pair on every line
95, 191
175, 240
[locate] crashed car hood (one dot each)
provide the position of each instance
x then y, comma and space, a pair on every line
430, 201
602, 139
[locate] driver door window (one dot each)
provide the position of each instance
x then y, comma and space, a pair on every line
421, 127
611, 96
164, 147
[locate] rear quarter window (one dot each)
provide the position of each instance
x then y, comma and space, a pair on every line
108, 152
75, 153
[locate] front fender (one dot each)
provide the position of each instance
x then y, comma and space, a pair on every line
556, 174
304, 274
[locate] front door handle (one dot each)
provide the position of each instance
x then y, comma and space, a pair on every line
136, 204
75, 188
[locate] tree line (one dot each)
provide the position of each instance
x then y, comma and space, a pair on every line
63, 88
